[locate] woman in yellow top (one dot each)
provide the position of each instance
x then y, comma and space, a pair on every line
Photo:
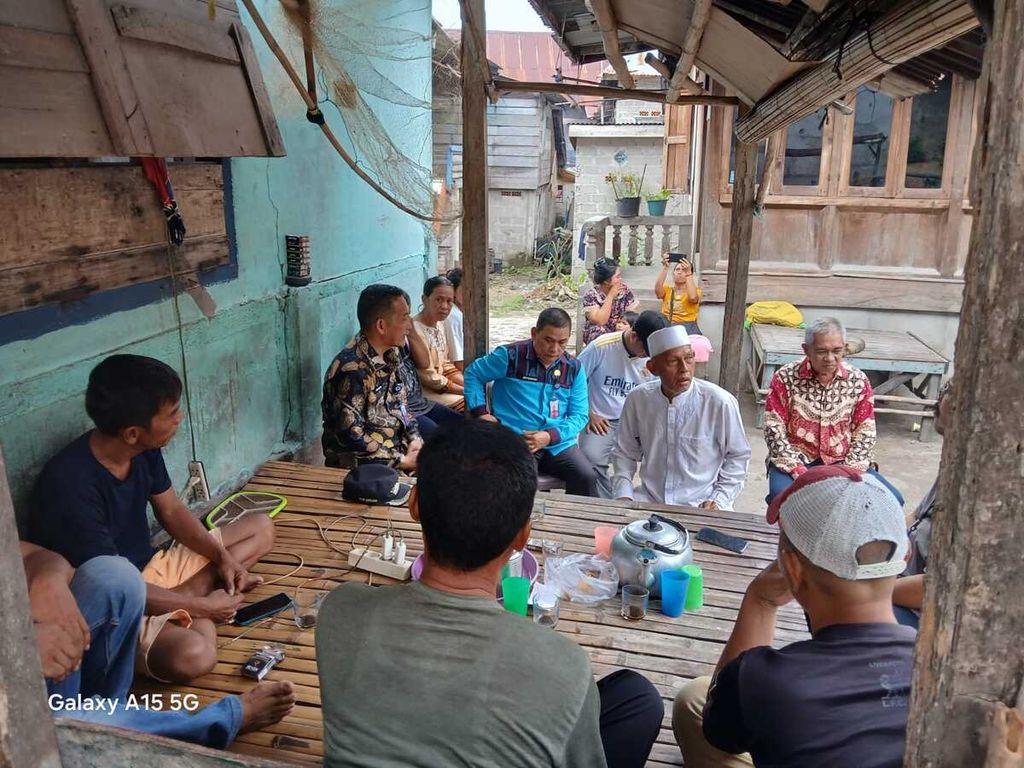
680, 299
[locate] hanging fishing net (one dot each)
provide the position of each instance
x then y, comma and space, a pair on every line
358, 50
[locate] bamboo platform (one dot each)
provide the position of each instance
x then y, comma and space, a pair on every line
667, 651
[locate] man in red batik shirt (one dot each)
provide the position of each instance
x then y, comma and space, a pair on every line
819, 411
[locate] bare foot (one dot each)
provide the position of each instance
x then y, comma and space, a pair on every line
266, 704
251, 581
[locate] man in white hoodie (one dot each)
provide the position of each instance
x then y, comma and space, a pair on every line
686, 434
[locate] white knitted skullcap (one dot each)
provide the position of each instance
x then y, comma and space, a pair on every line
666, 339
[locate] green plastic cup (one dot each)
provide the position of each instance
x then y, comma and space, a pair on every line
515, 592
695, 589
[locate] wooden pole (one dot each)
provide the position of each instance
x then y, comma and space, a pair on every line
740, 232
910, 29
633, 94
27, 736
969, 652
658, 64
691, 44
474, 183
605, 16
771, 157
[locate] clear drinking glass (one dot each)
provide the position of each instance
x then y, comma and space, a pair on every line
306, 605
634, 602
545, 608
550, 549
539, 508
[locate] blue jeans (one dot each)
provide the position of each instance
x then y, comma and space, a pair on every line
111, 596
778, 481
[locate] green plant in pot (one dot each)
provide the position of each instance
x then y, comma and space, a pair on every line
626, 187
656, 201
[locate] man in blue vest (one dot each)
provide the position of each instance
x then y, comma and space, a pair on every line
541, 393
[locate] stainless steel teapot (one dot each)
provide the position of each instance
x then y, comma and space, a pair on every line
645, 548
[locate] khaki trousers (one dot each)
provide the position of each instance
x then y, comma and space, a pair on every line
687, 721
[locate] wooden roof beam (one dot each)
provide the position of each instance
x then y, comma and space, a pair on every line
605, 16
691, 44
905, 32
634, 94
657, 63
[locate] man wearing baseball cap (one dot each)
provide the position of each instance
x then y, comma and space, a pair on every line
840, 698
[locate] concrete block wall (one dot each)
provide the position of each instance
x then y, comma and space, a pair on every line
256, 368
597, 148
516, 218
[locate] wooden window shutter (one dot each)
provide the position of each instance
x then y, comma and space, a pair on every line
136, 77
676, 160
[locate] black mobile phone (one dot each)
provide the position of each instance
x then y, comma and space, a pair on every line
675, 258
250, 614
723, 540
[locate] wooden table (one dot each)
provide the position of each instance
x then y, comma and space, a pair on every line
902, 356
667, 651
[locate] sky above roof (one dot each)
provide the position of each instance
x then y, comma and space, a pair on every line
505, 15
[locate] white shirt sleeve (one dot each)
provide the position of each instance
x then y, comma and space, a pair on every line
628, 451
735, 458
453, 335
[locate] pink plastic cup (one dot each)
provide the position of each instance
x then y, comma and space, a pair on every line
603, 536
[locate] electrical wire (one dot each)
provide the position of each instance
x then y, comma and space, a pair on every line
176, 294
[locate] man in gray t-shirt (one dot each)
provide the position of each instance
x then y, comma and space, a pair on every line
437, 673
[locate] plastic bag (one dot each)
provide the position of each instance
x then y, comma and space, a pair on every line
582, 578
774, 313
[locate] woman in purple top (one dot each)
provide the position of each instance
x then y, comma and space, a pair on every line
606, 301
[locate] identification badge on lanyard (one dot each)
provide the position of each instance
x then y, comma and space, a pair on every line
553, 409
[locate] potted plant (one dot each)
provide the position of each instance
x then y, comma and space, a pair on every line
626, 187
656, 201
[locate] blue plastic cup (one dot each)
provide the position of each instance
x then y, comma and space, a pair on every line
673, 592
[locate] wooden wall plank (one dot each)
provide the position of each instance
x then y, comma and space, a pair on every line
119, 104
258, 90
54, 213
174, 31
44, 113
843, 291
31, 48
42, 15
76, 277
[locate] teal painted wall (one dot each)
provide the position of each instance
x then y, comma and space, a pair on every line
255, 369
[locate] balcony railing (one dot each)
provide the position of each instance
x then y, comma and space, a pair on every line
645, 238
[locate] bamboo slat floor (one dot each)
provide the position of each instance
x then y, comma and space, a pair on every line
668, 651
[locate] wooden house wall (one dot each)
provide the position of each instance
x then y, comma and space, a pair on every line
516, 127
149, 77
833, 245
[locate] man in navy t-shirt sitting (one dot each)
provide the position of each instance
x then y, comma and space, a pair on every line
839, 699
90, 500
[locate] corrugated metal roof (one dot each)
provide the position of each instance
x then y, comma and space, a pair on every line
533, 57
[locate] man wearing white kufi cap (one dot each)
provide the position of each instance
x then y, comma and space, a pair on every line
686, 434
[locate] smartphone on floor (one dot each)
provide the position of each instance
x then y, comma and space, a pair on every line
250, 614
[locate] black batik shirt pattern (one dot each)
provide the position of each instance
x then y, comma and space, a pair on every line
365, 406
